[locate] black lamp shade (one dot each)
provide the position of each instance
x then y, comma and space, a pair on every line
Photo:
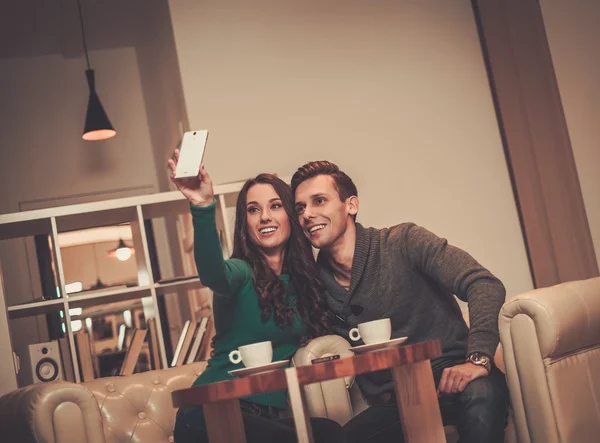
97, 124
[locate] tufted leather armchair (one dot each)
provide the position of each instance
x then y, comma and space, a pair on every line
551, 340
136, 408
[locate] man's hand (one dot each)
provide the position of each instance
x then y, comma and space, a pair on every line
456, 378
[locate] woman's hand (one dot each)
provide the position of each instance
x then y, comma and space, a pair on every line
198, 190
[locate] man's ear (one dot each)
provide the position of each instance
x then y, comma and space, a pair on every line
352, 204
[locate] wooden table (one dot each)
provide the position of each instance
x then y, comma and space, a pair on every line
413, 381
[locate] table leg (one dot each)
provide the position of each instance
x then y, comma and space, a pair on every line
298, 404
418, 403
224, 422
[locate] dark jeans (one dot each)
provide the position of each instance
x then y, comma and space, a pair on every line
261, 423
480, 414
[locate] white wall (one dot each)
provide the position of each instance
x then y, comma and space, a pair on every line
161, 86
395, 93
573, 31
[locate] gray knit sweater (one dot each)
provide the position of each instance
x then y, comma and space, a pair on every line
409, 274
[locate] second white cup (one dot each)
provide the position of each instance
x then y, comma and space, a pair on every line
256, 354
371, 332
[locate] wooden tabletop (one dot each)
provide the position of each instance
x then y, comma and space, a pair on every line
276, 380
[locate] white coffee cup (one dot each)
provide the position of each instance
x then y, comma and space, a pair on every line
256, 354
375, 331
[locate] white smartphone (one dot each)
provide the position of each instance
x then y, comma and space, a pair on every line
191, 154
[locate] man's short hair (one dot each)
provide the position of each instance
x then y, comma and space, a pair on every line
344, 184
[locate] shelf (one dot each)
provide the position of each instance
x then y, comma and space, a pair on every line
35, 308
108, 295
11, 227
93, 219
132, 210
165, 208
81, 299
80, 216
171, 203
188, 283
112, 308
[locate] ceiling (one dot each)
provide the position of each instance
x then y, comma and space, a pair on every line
31, 28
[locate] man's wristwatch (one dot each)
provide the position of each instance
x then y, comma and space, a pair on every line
479, 359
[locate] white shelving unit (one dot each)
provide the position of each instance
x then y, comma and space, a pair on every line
132, 210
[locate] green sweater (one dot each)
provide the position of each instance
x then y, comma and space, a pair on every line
236, 311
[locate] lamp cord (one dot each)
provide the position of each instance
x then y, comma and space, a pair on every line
96, 262
83, 35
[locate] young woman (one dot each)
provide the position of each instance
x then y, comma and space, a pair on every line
267, 291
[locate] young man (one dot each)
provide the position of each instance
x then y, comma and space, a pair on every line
408, 274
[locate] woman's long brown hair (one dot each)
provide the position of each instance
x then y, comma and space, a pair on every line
298, 262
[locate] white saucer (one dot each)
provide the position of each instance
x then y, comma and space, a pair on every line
258, 369
381, 345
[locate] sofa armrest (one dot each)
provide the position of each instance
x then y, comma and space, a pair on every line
331, 398
56, 412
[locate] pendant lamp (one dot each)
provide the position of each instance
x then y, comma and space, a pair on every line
97, 124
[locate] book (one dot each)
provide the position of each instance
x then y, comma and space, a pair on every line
206, 346
154, 346
65, 357
133, 352
185, 341
200, 332
84, 356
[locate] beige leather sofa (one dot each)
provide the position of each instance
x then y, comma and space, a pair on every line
551, 341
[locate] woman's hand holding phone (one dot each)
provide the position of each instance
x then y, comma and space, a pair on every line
198, 190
